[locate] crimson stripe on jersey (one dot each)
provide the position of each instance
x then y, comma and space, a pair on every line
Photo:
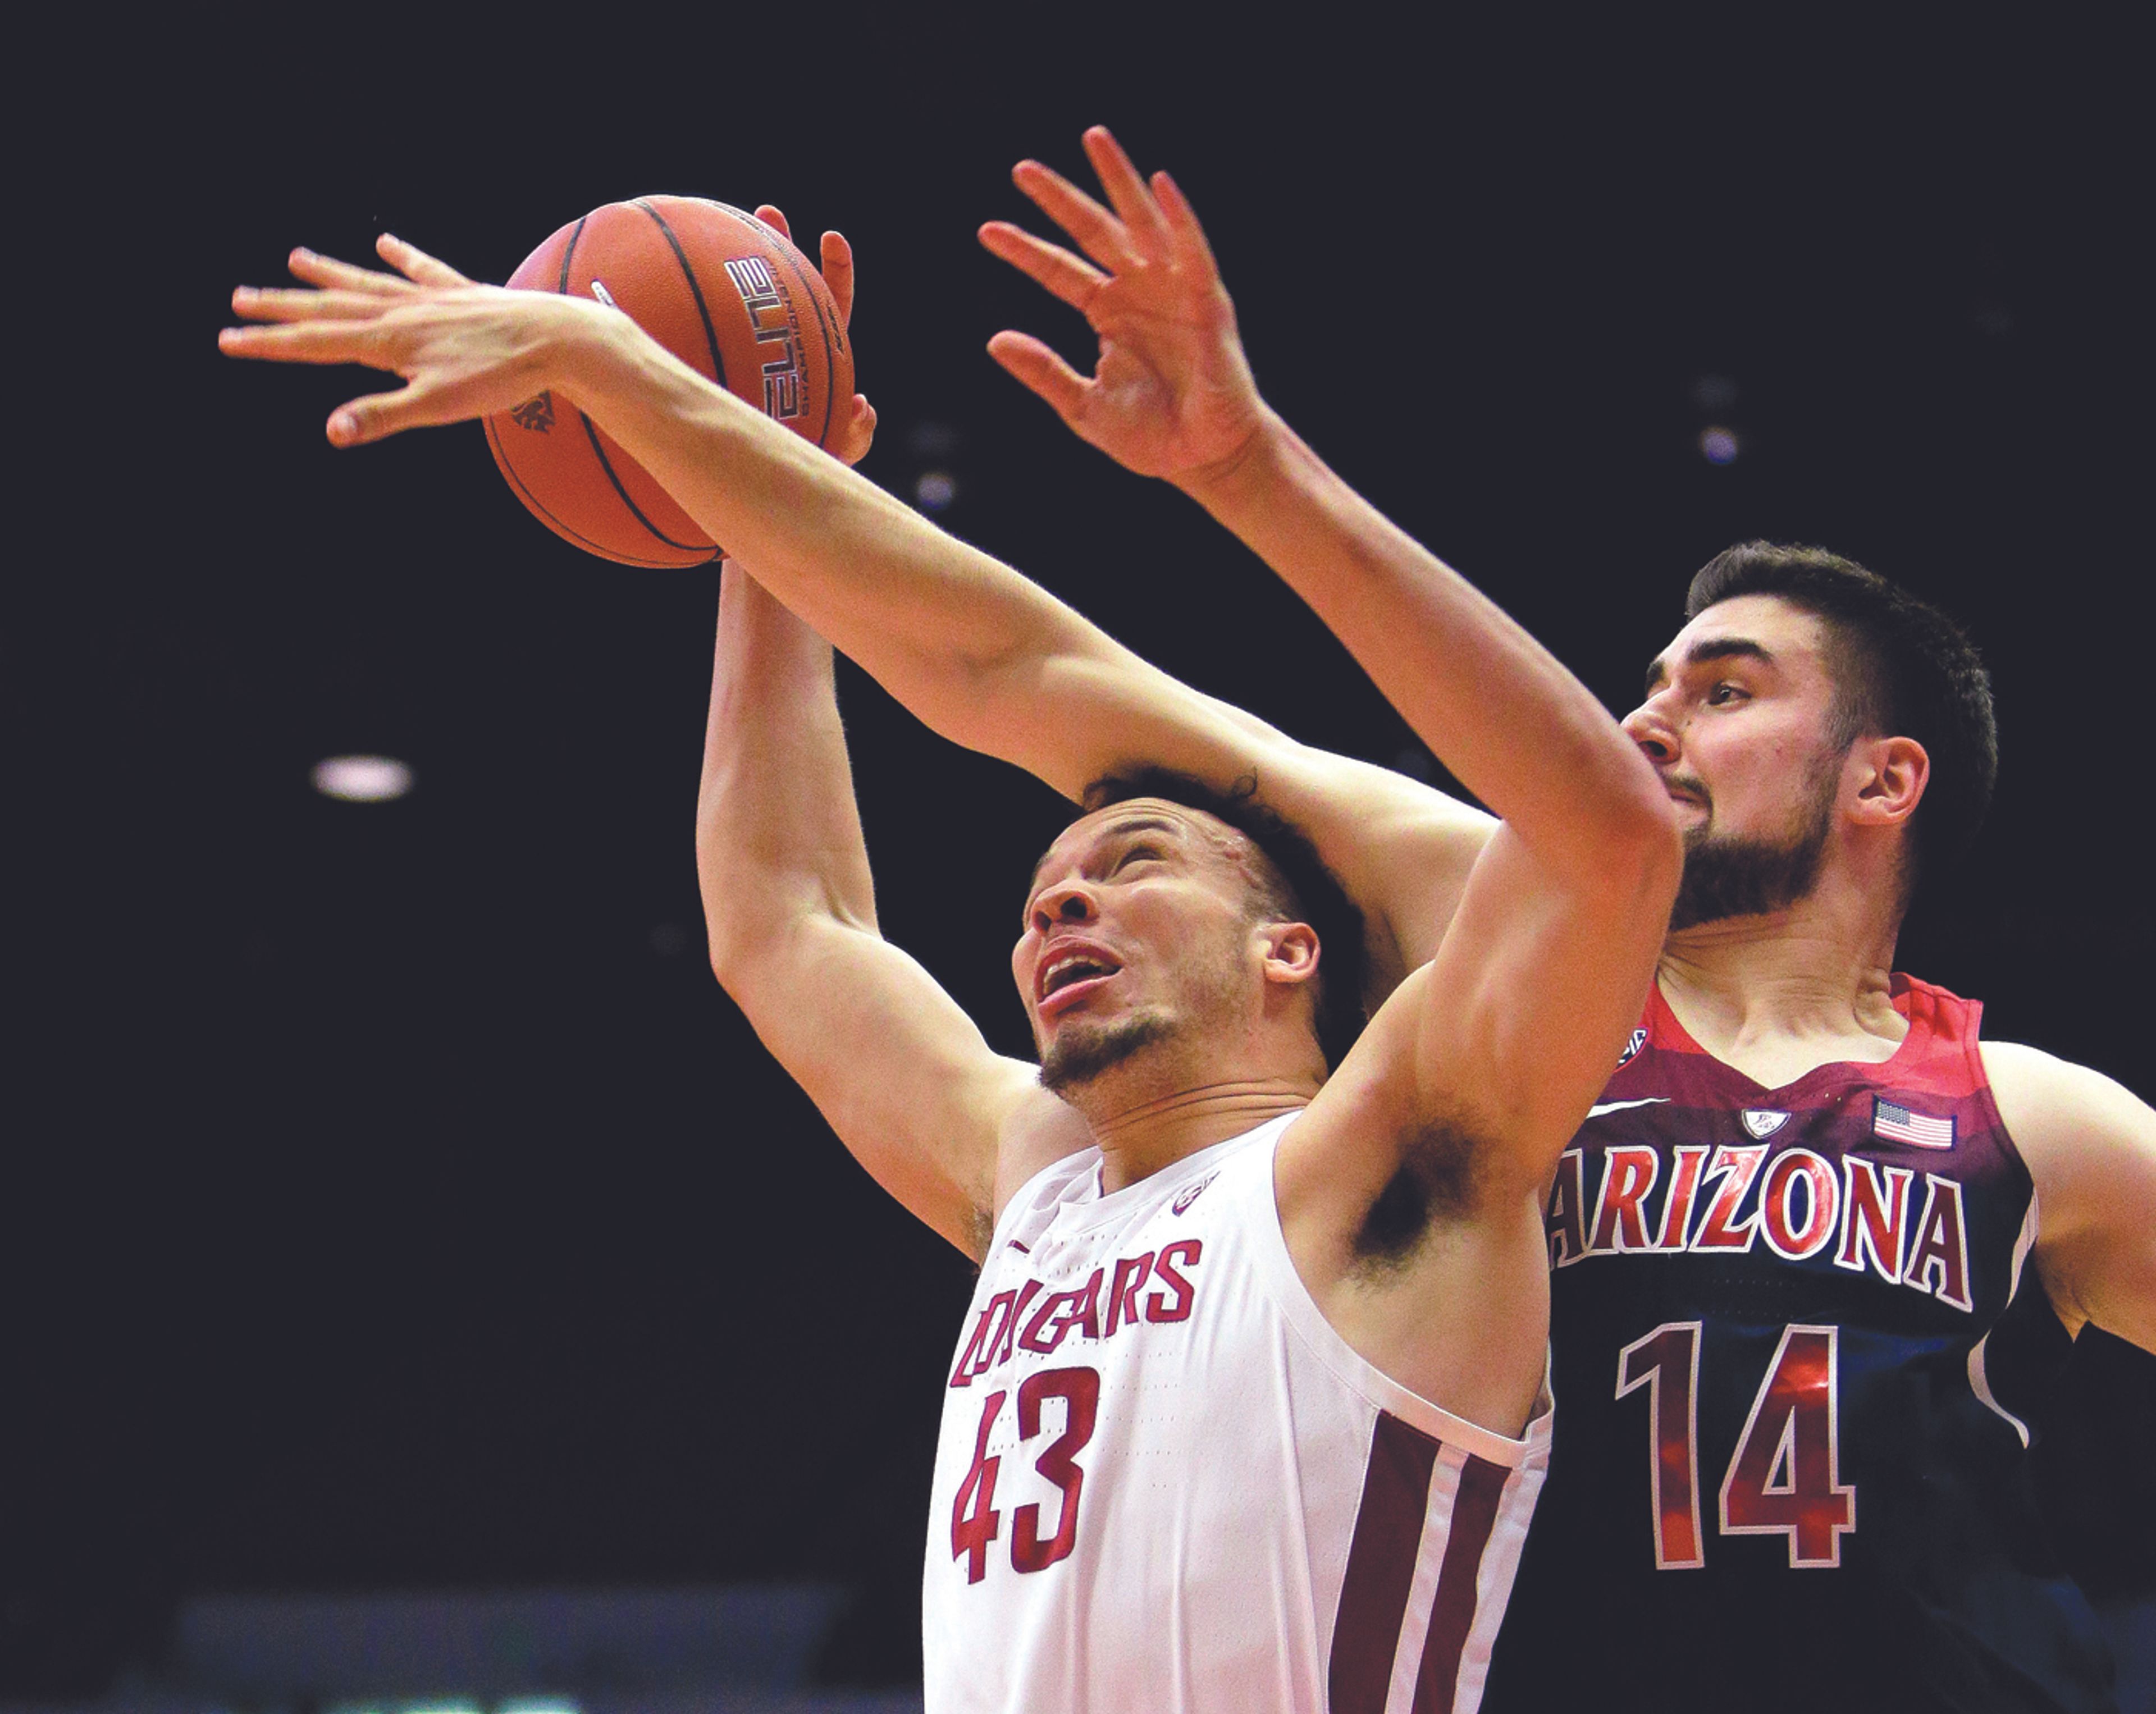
1381, 1563
1452, 1614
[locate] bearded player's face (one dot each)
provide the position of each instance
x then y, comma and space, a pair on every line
1738, 722
1137, 930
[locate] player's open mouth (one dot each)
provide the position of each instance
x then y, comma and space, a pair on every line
1071, 974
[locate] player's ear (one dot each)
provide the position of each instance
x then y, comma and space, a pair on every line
1891, 775
1290, 951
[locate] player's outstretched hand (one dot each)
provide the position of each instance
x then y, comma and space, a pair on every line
850, 445
1171, 393
463, 349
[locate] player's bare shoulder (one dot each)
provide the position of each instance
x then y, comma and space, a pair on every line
2050, 1104
1039, 1129
2090, 1145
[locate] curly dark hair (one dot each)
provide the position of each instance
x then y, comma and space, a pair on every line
1901, 669
1300, 887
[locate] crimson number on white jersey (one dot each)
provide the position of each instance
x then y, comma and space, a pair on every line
975, 1522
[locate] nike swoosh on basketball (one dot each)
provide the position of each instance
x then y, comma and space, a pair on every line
1602, 1107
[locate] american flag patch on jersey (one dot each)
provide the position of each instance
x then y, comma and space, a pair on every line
1891, 1120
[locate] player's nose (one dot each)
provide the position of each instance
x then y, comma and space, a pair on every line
1066, 903
1646, 727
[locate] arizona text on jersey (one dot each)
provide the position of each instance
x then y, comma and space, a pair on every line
1790, 1469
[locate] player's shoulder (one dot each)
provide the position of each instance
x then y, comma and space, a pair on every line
2060, 1113
2046, 1089
1039, 1129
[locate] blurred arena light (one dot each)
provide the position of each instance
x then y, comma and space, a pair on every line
1718, 445
362, 779
935, 490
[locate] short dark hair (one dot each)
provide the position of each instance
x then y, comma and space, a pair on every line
1901, 669
1302, 889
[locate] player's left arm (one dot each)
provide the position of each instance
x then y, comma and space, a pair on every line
2090, 1145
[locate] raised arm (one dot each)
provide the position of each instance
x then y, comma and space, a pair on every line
1448, 1114
983, 656
901, 1074
1567, 895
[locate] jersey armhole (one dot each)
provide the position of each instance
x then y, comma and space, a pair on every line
1306, 1321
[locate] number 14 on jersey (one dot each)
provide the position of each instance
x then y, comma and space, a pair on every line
1785, 1476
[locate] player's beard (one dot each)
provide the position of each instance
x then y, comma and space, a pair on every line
1728, 875
1082, 1049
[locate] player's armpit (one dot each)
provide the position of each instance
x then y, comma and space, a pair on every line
1410, 1193
1530, 999
2090, 1145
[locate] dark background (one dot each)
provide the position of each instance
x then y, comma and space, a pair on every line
391, 1197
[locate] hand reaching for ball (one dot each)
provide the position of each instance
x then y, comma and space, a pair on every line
1171, 393
850, 445
464, 350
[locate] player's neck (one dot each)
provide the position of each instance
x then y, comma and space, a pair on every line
1140, 1139
1777, 994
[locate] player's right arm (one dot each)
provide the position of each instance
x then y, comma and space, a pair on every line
982, 656
902, 1075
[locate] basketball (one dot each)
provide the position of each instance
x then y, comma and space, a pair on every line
724, 293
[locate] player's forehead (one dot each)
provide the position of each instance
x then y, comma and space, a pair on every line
1764, 628
1176, 823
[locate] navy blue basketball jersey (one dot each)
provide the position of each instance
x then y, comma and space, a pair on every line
1790, 1464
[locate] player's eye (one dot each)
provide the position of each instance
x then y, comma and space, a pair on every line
1137, 853
1725, 692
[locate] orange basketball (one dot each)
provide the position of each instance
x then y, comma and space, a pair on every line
724, 293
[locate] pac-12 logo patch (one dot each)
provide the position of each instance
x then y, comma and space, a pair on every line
1189, 1193
1632, 1047
1762, 1122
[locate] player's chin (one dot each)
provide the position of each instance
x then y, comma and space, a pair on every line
1086, 1047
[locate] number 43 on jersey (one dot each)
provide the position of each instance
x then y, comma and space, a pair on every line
1785, 1476
975, 1522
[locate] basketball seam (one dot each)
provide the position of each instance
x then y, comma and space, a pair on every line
568, 256
696, 290
606, 464
540, 507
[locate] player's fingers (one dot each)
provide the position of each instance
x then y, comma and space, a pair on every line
310, 342
1187, 243
860, 432
327, 271
377, 416
770, 215
838, 259
1097, 232
1041, 371
415, 263
1069, 279
280, 305
1127, 191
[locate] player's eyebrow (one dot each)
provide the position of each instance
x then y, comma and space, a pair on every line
1144, 823
1710, 648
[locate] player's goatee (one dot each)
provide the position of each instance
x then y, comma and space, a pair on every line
1727, 876
1082, 1052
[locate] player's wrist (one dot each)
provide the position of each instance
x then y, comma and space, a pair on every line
1246, 474
591, 351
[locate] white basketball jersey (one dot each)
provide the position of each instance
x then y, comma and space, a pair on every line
1165, 1485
